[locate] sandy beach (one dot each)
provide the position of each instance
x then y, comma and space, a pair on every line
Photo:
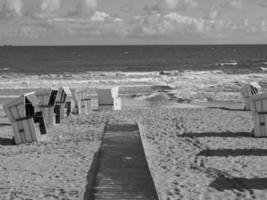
196, 148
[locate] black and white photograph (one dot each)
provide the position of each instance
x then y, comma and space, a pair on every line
133, 100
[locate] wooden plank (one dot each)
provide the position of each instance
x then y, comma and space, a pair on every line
122, 170
49, 115
17, 135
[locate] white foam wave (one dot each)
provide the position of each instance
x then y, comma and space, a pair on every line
233, 63
4, 69
263, 68
187, 84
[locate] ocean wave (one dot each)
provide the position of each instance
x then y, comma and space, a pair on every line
188, 84
232, 63
4, 69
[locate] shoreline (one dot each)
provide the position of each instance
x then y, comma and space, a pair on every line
189, 85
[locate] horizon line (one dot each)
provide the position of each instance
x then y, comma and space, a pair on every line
49, 45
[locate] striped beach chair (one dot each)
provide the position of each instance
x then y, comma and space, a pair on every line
247, 91
47, 98
61, 111
84, 104
258, 105
27, 121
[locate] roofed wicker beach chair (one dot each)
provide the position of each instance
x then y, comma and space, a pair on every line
84, 102
60, 103
69, 105
249, 90
108, 99
27, 121
258, 105
47, 98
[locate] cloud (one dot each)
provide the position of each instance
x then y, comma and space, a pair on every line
213, 14
99, 16
50, 5
263, 3
170, 4
236, 4
11, 8
263, 26
99, 23
45, 18
91, 3
167, 5
166, 25
84, 8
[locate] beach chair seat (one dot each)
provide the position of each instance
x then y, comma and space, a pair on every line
249, 90
258, 106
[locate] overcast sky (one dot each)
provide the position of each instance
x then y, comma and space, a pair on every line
93, 22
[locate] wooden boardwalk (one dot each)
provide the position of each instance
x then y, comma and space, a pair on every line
122, 171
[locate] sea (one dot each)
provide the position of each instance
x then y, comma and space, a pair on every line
38, 60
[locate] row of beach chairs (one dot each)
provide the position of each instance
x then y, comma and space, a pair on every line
31, 113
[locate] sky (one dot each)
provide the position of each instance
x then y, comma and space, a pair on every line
123, 22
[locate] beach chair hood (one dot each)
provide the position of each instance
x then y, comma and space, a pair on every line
32, 98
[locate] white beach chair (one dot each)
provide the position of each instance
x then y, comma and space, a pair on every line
108, 99
69, 103
22, 113
258, 105
92, 95
247, 91
47, 99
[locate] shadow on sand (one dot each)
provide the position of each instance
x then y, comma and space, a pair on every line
212, 134
232, 152
6, 141
91, 176
5, 124
229, 109
222, 183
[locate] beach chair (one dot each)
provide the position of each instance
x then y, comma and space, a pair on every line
116, 98
108, 99
247, 91
84, 102
258, 106
92, 95
63, 109
71, 102
47, 99
27, 121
